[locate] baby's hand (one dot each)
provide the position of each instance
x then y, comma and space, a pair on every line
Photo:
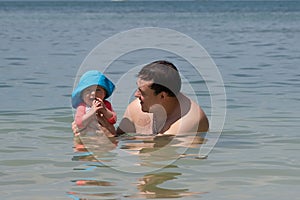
96, 105
101, 105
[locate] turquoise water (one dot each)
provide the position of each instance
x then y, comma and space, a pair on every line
256, 48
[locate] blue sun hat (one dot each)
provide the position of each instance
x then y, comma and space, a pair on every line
88, 79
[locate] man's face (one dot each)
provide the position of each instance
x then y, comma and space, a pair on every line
146, 95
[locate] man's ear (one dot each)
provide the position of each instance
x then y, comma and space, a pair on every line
163, 95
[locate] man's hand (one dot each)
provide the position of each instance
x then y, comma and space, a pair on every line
75, 129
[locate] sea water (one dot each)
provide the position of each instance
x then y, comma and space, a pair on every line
255, 45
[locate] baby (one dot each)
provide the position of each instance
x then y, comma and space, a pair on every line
93, 112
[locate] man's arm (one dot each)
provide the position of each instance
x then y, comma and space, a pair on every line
127, 123
125, 126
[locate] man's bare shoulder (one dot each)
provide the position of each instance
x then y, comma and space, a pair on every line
134, 104
203, 123
141, 121
134, 110
196, 108
128, 122
194, 119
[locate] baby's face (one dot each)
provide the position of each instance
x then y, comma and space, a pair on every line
92, 92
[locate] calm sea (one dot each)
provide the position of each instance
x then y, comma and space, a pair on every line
256, 47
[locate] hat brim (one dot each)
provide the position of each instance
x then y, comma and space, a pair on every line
88, 79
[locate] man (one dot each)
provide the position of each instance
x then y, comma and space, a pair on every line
160, 107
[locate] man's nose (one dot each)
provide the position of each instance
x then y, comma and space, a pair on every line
137, 93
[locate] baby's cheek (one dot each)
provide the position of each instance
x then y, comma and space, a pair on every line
101, 96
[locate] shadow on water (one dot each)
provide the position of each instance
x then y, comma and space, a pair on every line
146, 161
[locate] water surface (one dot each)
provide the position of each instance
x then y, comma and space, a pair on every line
255, 45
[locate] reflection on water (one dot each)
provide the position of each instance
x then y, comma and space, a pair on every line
150, 160
148, 186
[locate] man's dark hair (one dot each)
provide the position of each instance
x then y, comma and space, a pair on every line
164, 75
